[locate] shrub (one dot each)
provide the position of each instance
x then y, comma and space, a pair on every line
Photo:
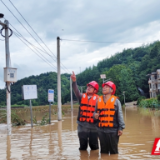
139, 99
149, 103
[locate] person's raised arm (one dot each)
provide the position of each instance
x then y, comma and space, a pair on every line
75, 87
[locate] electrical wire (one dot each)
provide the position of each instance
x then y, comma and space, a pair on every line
31, 27
20, 35
23, 26
34, 51
31, 43
32, 30
76, 40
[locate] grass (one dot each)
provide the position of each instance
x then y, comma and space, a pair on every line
15, 119
16, 114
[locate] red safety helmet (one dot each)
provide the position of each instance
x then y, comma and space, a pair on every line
110, 84
94, 84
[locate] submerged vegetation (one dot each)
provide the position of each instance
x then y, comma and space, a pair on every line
18, 119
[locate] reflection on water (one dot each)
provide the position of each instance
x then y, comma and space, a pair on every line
8, 147
59, 140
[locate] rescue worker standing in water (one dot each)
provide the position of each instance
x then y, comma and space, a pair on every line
109, 113
87, 131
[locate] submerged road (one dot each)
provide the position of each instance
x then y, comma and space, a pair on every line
59, 140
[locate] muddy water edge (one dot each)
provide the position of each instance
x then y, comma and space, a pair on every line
59, 140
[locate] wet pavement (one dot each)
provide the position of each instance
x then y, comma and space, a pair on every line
59, 140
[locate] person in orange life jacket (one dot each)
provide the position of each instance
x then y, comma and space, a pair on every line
87, 131
108, 111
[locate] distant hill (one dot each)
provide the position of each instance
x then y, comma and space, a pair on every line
127, 70
44, 82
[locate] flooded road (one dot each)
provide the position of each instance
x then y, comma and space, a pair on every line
59, 140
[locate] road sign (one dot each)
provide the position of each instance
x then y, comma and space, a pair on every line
29, 92
50, 95
103, 76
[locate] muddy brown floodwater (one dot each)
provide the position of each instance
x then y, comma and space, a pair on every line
59, 140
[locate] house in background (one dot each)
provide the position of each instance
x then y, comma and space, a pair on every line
154, 83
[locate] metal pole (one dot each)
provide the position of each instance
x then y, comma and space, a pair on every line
31, 113
124, 100
8, 93
59, 80
71, 94
49, 112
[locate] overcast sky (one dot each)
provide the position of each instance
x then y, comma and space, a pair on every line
119, 23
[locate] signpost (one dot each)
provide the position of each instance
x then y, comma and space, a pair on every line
103, 76
29, 92
50, 99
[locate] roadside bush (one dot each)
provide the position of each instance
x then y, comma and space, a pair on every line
139, 99
149, 103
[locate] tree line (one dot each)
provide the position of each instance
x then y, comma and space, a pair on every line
127, 69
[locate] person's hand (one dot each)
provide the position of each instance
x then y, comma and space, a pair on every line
96, 115
120, 133
73, 77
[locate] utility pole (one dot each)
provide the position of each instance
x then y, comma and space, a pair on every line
10, 74
71, 94
8, 93
124, 97
81, 88
8, 90
59, 80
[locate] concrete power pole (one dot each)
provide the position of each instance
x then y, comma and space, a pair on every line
10, 74
59, 80
8, 90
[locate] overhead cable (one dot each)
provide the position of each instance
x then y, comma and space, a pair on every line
31, 29
42, 57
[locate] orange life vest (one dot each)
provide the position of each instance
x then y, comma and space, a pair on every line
87, 108
106, 111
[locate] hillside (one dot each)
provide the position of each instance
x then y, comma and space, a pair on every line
127, 69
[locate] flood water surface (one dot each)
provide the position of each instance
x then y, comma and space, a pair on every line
59, 140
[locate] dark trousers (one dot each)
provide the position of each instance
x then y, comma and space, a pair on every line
108, 142
87, 136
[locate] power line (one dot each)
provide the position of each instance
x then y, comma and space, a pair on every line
29, 42
34, 51
32, 30
20, 35
23, 26
31, 27
76, 40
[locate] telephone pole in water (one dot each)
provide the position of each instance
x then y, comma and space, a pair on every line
10, 74
59, 80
